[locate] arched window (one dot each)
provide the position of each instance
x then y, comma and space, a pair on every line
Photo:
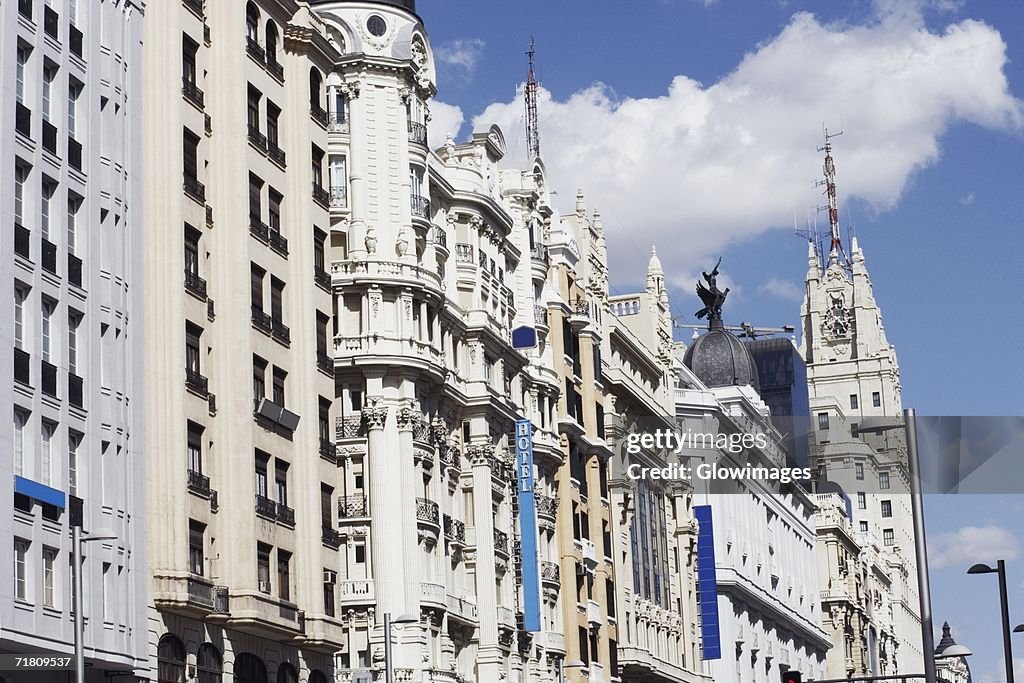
249, 669
252, 23
286, 674
317, 676
315, 86
170, 656
208, 664
271, 46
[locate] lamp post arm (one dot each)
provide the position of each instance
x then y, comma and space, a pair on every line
920, 546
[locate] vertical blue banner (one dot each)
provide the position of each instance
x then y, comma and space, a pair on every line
707, 584
528, 525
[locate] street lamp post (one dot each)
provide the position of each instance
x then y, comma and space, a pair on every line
1004, 605
389, 670
920, 545
76, 583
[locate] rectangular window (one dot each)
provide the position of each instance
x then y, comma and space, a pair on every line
859, 468
273, 116
262, 460
72, 222
19, 317
21, 569
189, 49
338, 178
317, 162
876, 399
259, 380
276, 299
255, 199
256, 286
194, 446
319, 252
324, 419
74, 90
73, 322
281, 482
328, 593
193, 333
822, 421
196, 547
284, 580
862, 501
263, 567
854, 402
326, 493
49, 74
20, 176
46, 454
105, 606
883, 480
338, 106
20, 419
888, 537
190, 155
192, 237
886, 508
74, 441
864, 527
19, 73
253, 109
321, 332
45, 194
274, 209
278, 388
49, 563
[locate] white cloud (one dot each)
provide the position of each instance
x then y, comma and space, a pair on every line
967, 199
972, 544
460, 56
783, 289
702, 166
445, 120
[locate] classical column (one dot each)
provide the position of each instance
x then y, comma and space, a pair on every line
406, 475
385, 525
489, 655
357, 232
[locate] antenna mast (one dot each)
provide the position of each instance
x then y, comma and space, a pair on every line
836, 249
532, 128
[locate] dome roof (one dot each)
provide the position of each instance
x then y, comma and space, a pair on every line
719, 359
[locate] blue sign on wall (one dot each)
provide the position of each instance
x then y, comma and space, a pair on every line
40, 492
528, 525
707, 584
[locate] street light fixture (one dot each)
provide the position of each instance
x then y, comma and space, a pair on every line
1019, 628
76, 584
954, 651
389, 671
1004, 605
920, 545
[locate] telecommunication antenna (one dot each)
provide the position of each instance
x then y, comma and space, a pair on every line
532, 127
745, 329
836, 252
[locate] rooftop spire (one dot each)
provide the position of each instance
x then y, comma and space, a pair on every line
836, 248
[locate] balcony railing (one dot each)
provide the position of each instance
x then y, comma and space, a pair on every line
22, 241
49, 137
352, 506
339, 196
540, 315
454, 530
198, 482
581, 308
547, 506
349, 427
48, 379
280, 331
49, 252
22, 367
259, 229
191, 92
74, 153
275, 67
75, 270
195, 5
278, 242
450, 457
338, 123
195, 189
276, 154
318, 113
438, 236
196, 382
262, 320
257, 138
23, 120
325, 362
255, 50
464, 253
550, 572
322, 277
327, 450
321, 196
330, 538
265, 507
420, 206
539, 252
427, 511
75, 390
500, 542
195, 285
417, 133
285, 515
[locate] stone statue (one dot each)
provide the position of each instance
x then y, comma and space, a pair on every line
711, 296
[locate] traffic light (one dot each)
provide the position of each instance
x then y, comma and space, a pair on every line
791, 677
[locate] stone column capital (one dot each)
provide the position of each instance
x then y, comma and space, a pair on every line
375, 415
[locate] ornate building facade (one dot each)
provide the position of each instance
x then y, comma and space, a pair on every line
72, 228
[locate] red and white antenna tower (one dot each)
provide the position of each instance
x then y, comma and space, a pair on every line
836, 249
532, 127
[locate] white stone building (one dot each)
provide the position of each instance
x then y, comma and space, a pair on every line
72, 229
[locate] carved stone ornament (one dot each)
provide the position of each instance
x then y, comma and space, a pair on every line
403, 418
375, 300
402, 243
371, 240
405, 94
375, 414
351, 89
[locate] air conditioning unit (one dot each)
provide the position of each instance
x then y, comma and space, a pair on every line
330, 577
362, 677
264, 586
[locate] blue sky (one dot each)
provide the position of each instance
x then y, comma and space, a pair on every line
695, 124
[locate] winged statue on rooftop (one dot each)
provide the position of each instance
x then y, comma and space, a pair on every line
710, 295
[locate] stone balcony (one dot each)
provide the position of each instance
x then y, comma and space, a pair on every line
355, 592
189, 595
373, 348
347, 273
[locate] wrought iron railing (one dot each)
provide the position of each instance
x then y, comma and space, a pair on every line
427, 511
352, 506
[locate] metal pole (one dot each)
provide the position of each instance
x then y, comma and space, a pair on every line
389, 672
920, 545
76, 583
1005, 606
